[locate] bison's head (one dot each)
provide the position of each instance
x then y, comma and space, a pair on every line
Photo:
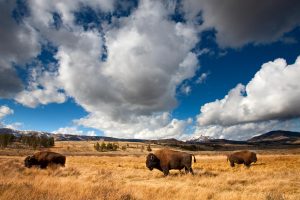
29, 161
152, 161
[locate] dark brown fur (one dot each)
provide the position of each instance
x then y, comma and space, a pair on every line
44, 158
242, 157
165, 160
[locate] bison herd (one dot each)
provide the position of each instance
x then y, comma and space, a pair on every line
163, 160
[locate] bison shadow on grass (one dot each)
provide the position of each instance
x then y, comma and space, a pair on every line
165, 160
44, 158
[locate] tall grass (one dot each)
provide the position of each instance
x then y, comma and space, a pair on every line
273, 177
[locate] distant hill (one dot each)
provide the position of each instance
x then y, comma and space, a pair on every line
63, 137
69, 137
273, 139
18, 133
214, 141
167, 141
277, 136
201, 139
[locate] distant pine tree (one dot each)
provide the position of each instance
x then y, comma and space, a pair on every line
115, 146
103, 146
109, 146
97, 146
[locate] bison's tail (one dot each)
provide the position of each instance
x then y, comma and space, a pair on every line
194, 158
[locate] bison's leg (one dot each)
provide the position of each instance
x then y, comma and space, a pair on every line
165, 171
191, 170
186, 170
247, 164
43, 165
231, 163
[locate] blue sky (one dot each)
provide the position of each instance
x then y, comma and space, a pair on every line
150, 69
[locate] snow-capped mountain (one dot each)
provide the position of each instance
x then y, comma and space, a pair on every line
18, 133
201, 138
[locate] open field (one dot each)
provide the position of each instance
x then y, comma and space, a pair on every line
123, 175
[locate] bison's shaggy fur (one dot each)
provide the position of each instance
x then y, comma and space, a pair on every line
242, 157
165, 160
44, 158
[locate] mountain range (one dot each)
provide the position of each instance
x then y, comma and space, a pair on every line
271, 139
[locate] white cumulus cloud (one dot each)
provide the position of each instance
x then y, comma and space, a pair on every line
149, 56
73, 130
272, 94
202, 78
159, 125
43, 88
5, 110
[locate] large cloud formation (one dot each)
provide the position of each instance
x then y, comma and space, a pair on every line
148, 56
19, 43
249, 21
272, 94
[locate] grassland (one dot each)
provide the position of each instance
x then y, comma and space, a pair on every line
123, 175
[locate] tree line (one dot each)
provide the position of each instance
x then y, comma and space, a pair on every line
114, 146
6, 139
33, 141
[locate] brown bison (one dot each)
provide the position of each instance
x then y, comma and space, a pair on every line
242, 157
44, 158
165, 160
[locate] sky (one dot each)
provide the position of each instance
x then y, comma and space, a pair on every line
150, 69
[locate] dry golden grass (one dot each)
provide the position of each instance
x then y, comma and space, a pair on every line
273, 177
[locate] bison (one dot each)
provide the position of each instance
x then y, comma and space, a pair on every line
165, 160
242, 157
44, 158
